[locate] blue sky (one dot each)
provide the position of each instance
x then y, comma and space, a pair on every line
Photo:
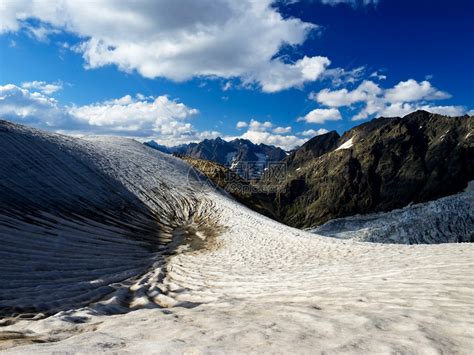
276, 72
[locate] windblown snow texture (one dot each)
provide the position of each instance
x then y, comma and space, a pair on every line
80, 224
446, 220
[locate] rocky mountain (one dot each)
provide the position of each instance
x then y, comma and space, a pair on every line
241, 155
381, 165
312, 149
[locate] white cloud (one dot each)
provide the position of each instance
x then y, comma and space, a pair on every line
43, 87
321, 115
343, 97
241, 124
33, 108
158, 117
403, 98
178, 39
284, 141
265, 132
340, 76
411, 90
378, 76
282, 130
255, 125
279, 76
141, 117
313, 132
227, 86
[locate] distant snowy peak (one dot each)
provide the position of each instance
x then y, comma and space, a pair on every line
237, 154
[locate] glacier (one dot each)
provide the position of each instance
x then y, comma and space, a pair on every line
446, 220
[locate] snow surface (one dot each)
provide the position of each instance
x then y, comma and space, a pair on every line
447, 220
346, 145
107, 243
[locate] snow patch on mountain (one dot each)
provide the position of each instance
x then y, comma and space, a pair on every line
346, 145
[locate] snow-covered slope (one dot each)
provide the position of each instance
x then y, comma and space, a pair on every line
446, 220
97, 228
88, 221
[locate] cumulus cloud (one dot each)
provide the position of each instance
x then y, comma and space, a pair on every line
43, 87
343, 97
399, 100
265, 132
284, 141
258, 126
282, 130
178, 39
227, 86
411, 90
33, 108
314, 132
241, 124
141, 117
321, 115
279, 76
158, 117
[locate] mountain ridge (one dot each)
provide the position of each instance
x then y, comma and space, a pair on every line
240, 155
388, 163
380, 165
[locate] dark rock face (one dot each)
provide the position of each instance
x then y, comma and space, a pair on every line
312, 149
209, 149
392, 162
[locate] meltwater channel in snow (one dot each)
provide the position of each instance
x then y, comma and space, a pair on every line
108, 245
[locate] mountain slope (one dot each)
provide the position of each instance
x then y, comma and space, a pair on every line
75, 212
381, 165
312, 149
